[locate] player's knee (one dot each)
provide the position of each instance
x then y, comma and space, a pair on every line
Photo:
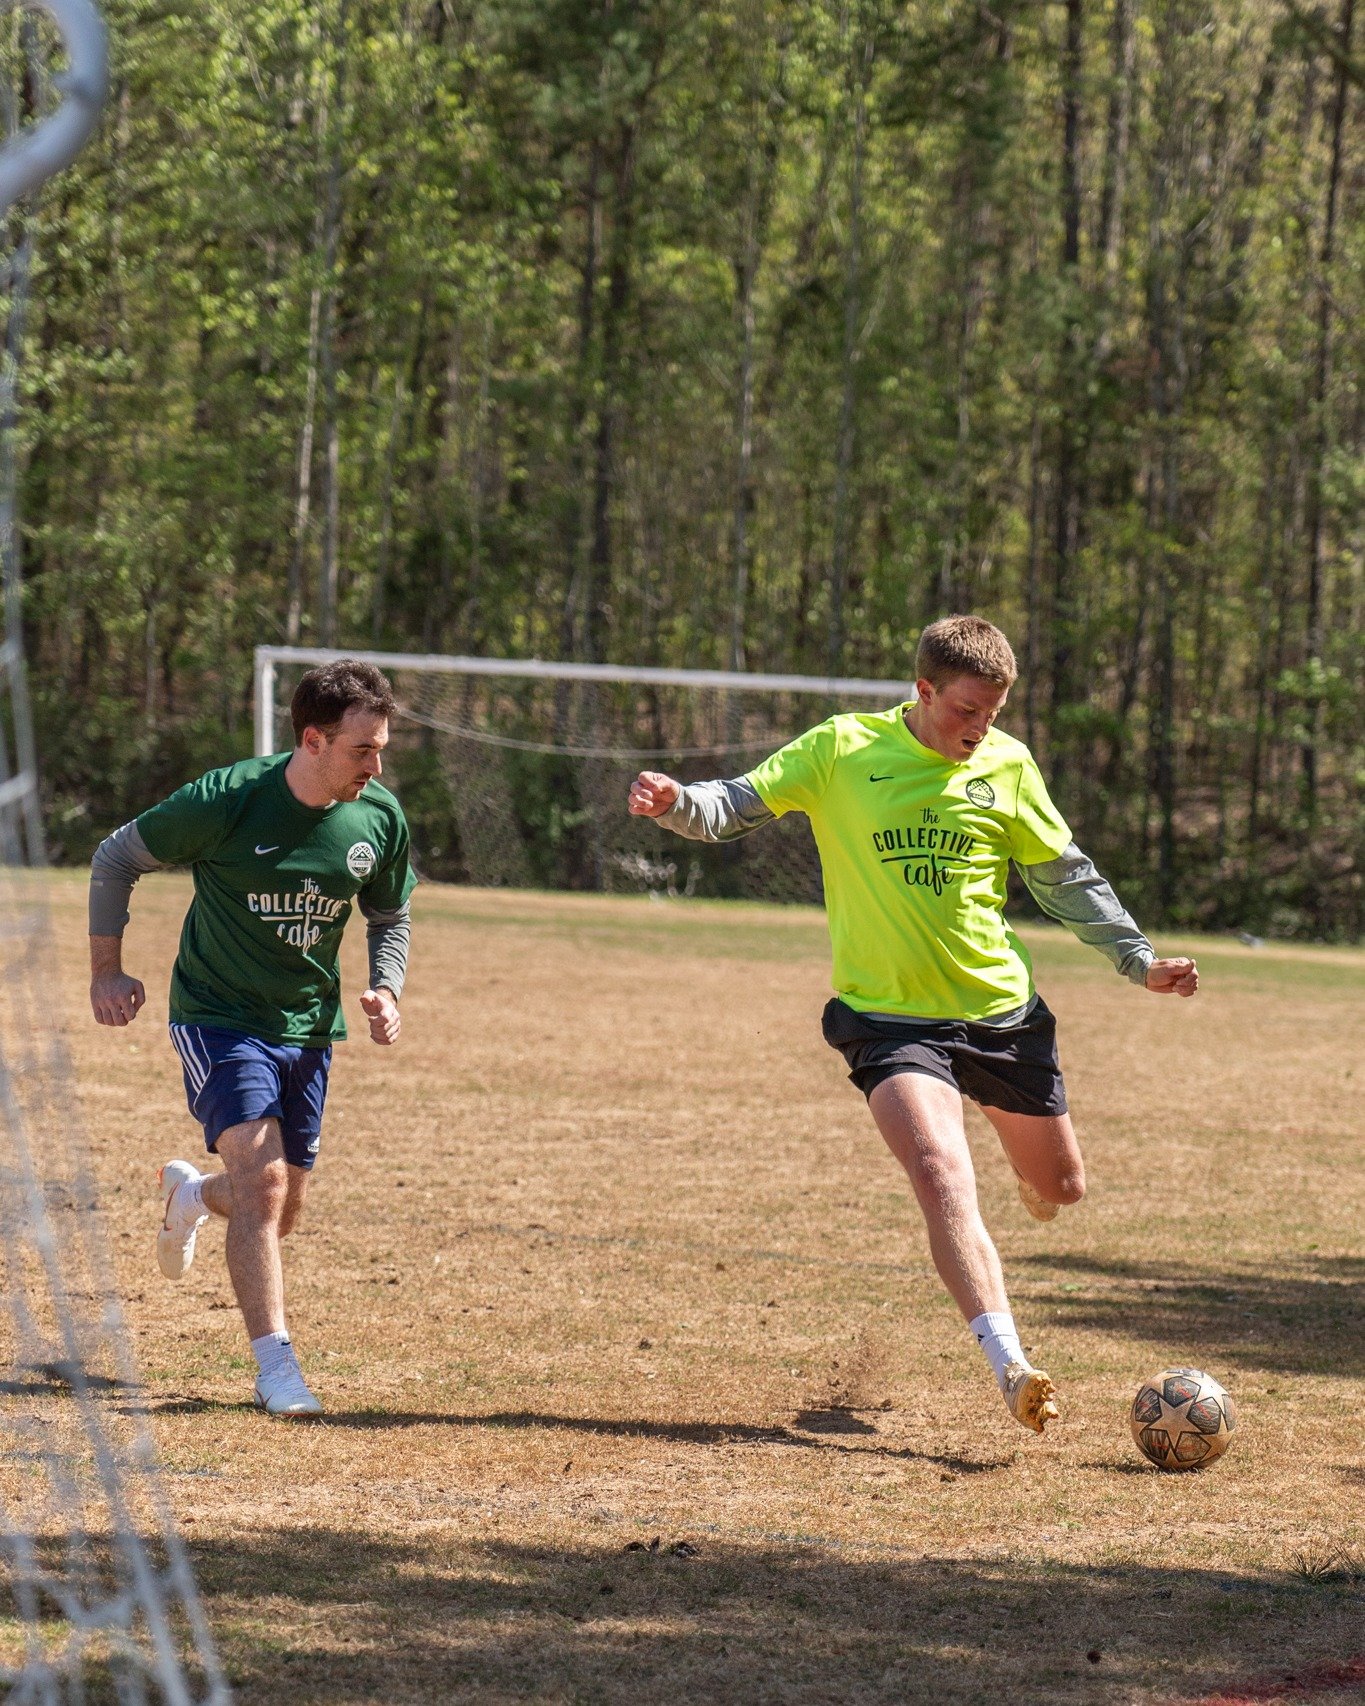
264, 1193
938, 1174
1070, 1187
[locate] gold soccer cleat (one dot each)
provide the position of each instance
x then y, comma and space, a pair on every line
1037, 1206
1029, 1394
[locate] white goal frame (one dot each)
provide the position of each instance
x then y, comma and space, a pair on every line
267, 660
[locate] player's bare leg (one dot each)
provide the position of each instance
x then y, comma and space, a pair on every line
295, 1195
253, 1156
264, 1202
215, 1191
920, 1119
1045, 1156
261, 1196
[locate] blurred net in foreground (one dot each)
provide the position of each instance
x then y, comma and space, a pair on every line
97, 1601
536, 761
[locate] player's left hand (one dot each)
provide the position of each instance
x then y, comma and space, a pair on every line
1173, 977
381, 1010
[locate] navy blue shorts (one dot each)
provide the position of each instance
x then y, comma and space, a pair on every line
1013, 1068
231, 1079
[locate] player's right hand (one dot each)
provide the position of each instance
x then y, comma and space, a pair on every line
652, 793
116, 998
1173, 977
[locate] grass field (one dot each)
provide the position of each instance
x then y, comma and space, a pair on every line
640, 1384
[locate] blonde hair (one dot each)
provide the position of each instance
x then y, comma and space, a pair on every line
964, 645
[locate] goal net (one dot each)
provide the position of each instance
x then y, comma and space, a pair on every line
518, 772
97, 1600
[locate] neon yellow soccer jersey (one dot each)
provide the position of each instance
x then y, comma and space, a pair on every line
915, 851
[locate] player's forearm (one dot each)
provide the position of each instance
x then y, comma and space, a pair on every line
1070, 889
106, 955
388, 940
716, 811
118, 862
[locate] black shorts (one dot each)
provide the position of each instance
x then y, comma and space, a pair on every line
1015, 1068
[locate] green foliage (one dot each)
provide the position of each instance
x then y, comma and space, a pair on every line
545, 251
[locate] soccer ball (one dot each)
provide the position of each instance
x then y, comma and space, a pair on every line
1182, 1419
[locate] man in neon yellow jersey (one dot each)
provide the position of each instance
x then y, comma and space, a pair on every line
917, 812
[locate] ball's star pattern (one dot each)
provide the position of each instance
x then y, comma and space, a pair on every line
1182, 1418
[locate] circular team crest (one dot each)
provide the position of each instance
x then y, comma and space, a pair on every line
362, 859
980, 792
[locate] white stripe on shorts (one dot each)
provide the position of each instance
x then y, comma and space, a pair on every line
185, 1046
194, 1036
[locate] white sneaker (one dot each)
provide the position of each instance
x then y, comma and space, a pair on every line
285, 1393
1038, 1207
1029, 1393
179, 1226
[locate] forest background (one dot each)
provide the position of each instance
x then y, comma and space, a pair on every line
735, 333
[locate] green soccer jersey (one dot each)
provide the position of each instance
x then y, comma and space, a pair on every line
273, 885
915, 850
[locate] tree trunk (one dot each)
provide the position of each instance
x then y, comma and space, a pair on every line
1067, 482
862, 48
597, 588
1033, 577
384, 550
303, 485
472, 621
1118, 131
757, 211
579, 395
303, 481
1175, 123
744, 482
329, 572
1322, 437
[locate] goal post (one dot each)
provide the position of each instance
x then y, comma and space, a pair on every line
268, 660
519, 768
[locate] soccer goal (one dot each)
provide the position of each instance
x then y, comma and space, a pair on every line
523, 767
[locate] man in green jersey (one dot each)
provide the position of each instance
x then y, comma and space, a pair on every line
280, 848
917, 813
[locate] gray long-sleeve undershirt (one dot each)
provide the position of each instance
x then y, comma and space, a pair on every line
1067, 888
1070, 889
716, 811
123, 857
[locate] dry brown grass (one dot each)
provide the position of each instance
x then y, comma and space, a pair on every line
607, 1251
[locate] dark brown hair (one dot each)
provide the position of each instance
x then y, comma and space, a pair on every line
323, 696
965, 645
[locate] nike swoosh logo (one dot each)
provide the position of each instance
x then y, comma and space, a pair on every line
888, 778
274, 849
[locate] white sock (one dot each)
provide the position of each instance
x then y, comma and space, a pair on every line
999, 1338
272, 1351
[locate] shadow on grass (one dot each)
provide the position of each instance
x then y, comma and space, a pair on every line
57, 1380
1302, 1323
810, 1430
312, 1614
